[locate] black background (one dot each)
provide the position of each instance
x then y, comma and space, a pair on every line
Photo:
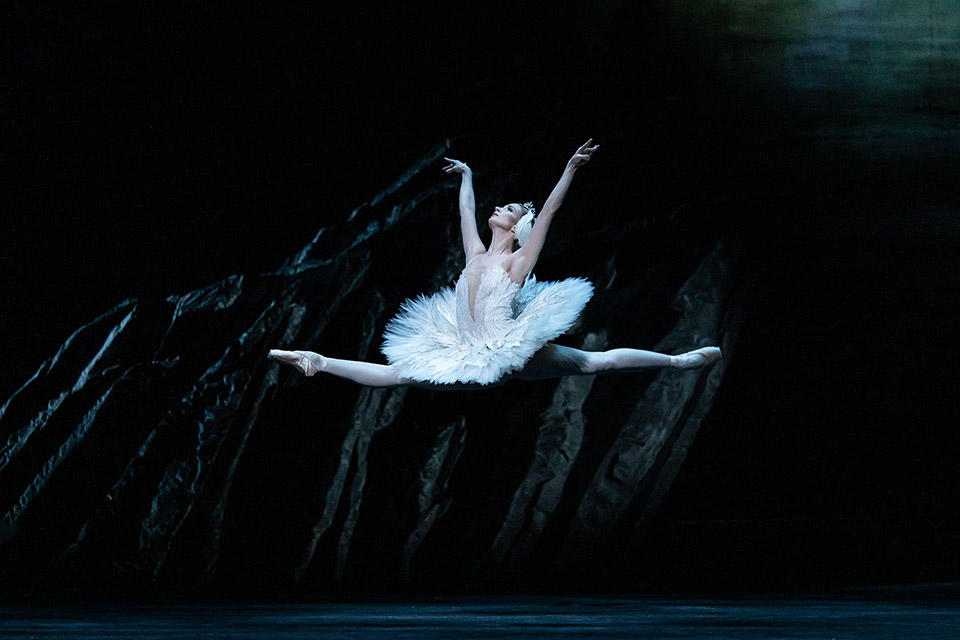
148, 153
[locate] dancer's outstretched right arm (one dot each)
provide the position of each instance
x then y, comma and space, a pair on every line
529, 253
472, 244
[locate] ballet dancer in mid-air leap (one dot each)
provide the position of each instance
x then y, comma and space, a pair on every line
496, 323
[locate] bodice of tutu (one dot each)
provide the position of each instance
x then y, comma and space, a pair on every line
493, 311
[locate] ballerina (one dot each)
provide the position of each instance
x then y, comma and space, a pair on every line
497, 321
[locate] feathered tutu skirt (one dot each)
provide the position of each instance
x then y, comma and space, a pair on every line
436, 339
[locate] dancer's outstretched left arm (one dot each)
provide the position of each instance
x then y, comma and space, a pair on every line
527, 255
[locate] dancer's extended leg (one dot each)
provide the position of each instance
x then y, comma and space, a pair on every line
370, 374
555, 360
625, 359
551, 361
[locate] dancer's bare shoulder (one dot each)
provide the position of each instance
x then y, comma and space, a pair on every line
520, 267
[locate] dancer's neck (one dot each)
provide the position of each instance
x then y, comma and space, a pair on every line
502, 246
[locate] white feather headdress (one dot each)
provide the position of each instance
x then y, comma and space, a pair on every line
525, 223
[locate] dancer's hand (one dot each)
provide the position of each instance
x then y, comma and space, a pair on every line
456, 166
582, 155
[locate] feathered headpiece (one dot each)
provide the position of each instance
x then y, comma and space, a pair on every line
525, 223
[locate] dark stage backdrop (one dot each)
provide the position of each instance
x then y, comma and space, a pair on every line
148, 153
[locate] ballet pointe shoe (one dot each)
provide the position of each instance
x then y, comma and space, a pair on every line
696, 358
299, 359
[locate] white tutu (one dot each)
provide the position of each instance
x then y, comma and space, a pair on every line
434, 338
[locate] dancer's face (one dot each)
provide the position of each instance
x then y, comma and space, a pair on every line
506, 216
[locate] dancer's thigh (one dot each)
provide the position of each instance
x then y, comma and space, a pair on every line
554, 361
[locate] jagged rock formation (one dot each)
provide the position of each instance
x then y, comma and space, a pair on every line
159, 447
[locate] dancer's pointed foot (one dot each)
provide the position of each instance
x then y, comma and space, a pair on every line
307, 362
696, 358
